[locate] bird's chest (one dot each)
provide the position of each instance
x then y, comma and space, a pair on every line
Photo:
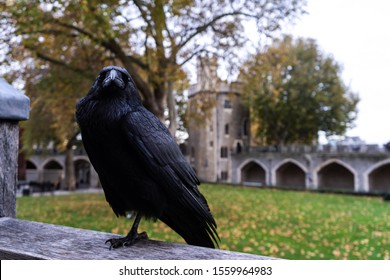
106, 142
103, 122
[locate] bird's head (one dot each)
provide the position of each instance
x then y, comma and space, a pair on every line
112, 94
112, 77
114, 82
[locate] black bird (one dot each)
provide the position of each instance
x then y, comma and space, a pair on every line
139, 164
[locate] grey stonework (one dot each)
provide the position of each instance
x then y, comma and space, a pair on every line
229, 156
359, 167
212, 140
50, 168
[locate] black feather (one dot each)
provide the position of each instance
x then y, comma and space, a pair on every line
140, 166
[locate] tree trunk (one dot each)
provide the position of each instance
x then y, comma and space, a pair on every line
70, 178
171, 109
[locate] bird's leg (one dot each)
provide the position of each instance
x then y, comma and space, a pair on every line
132, 237
133, 234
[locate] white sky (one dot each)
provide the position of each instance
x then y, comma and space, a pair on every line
357, 33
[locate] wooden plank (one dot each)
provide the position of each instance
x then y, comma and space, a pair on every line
9, 133
14, 106
21, 239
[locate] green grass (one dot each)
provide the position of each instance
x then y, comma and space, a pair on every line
285, 224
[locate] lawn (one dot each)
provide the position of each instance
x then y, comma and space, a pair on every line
285, 224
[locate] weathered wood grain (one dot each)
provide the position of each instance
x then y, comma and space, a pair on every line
14, 107
32, 240
9, 133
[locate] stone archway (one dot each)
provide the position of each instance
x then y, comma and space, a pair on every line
53, 173
290, 174
83, 173
335, 176
32, 174
253, 174
379, 178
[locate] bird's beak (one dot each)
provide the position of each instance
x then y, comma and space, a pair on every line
113, 78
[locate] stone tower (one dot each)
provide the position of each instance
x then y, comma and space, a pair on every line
218, 123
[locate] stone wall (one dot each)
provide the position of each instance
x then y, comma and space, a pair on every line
359, 172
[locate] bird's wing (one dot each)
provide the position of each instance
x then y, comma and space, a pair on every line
160, 154
156, 145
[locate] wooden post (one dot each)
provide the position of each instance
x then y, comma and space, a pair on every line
14, 107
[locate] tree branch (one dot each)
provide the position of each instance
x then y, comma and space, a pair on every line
76, 28
193, 54
61, 63
204, 27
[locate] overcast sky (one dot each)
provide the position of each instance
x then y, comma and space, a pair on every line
357, 33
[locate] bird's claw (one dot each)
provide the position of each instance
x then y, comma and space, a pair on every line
126, 241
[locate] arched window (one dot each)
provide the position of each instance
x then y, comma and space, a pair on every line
238, 148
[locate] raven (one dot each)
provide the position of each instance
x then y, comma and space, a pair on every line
139, 164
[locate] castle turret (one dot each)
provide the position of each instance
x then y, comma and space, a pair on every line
218, 123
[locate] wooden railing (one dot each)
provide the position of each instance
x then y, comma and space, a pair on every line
32, 240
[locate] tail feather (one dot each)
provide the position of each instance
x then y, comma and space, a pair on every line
191, 225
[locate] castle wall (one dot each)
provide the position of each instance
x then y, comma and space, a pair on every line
359, 172
219, 140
